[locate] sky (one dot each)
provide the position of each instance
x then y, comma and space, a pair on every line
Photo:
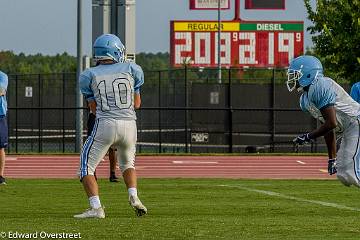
50, 26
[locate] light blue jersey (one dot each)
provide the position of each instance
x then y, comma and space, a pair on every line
3, 88
112, 86
324, 92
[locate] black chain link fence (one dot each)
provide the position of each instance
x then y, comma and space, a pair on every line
183, 110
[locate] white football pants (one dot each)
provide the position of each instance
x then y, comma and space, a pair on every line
348, 156
121, 134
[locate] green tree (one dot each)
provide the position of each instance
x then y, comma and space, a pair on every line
27, 64
42, 64
336, 37
150, 61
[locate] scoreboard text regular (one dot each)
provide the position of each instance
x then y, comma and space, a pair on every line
252, 44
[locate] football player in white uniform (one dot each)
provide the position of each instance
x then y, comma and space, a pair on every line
339, 114
113, 88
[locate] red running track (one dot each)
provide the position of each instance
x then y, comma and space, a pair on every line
262, 167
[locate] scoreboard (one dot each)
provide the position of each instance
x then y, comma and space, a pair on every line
244, 43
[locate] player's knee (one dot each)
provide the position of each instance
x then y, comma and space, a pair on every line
345, 172
126, 162
84, 178
127, 166
348, 178
83, 172
343, 179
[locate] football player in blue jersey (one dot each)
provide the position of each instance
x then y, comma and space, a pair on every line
355, 92
3, 124
113, 89
339, 114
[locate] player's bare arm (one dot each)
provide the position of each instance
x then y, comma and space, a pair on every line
330, 140
330, 123
92, 106
326, 130
137, 100
329, 115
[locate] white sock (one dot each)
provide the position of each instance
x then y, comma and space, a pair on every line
132, 192
95, 202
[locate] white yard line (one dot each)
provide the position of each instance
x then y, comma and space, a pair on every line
275, 194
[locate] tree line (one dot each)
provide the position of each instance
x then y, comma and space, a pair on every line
12, 63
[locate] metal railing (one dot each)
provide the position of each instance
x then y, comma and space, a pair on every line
184, 110
161, 137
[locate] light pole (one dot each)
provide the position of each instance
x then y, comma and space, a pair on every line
79, 99
219, 39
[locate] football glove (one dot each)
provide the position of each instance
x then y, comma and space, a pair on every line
332, 166
302, 139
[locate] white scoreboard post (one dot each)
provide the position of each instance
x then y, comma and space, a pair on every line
116, 17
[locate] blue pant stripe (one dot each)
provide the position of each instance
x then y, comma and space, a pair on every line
83, 157
86, 149
356, 156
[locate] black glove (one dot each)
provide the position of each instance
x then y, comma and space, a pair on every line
302, 139
332, 166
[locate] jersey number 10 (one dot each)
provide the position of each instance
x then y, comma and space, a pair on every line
121, 90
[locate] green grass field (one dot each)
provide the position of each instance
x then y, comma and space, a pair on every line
187, 209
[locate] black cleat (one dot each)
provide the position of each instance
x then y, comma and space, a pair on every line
2, 180
113, 178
